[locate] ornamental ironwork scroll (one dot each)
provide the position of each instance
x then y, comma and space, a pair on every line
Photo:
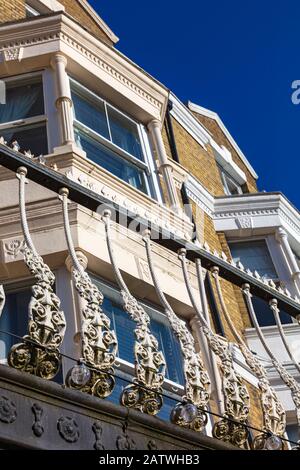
273, 411
150, 366
236, 396
283, 373
2, 299
99, 341
191, 412
39, 353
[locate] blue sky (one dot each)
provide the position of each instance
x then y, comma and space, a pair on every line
238, 58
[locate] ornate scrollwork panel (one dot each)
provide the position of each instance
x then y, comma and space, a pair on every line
277, 416
236, 396
273, 411
146, 393
99, 342
39, 355
191, 413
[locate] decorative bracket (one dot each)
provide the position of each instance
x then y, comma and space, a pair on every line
236, 396
99, 342
285, 376
146, 394
273, 411
40, 355
190, 414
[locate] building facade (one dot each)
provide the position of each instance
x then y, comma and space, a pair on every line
150, 293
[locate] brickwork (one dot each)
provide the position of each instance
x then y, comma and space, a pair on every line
78, 12
221, 139
201, 163
12, 10
196, 159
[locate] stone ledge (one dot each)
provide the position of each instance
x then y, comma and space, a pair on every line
68, 417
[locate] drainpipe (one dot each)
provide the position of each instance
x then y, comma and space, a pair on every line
175, 156
195, 324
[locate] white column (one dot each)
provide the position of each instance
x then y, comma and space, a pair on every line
282, 239
165, 167
64, 101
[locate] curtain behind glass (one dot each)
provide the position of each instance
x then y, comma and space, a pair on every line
112, 162
90, 114
124, 133
168, 344
14, 319
22, 102
254, 256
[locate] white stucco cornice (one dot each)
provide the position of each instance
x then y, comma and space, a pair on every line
29, 45
212, 115
188, 121
257, 213
222, 155
247, 214
200, 195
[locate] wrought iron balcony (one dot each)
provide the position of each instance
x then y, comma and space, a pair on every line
39, 352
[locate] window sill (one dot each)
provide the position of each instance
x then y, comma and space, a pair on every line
78, 168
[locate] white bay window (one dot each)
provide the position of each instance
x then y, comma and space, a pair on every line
112, 140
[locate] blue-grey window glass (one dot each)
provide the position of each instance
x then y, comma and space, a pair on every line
255, 256
124, 133
125, 327
91, 113
112, 162
14, 319
293, 432
264, 314
32, 138
22, 101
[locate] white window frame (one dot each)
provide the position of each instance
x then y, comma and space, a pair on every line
226, 176
32, 12
274, 253
41, 119
147, 165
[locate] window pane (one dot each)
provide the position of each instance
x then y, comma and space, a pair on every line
112, 162
264, 314
124, 328
168, 344
91, 114
124, 133
32, 138
22, 101
233, 188
293, 432
14, 319
254, 256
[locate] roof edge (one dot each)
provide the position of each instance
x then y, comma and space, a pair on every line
97, 18
213, 115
